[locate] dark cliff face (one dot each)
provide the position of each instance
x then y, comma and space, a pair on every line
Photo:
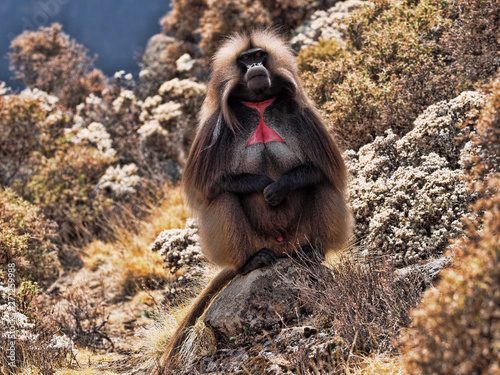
115, 30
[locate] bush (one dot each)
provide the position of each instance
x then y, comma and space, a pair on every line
397, 61
28, 240
456, 331
365, 304
63, 185
207, 22
408, 194
63, 170
29, 122
26, 340
49, 60
82, 315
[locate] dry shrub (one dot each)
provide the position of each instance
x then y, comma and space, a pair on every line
29, 122
473, 43
53, 62
184, 19
365, 303
457, 328
82, 315
63, 186
43, 350
397, 61
25, 335
75, 175
223, 17
408, 194
207, 21
28, 240
119, 114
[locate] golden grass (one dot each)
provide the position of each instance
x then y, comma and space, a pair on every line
380, 365
129, 256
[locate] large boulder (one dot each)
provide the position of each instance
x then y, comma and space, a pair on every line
260, 300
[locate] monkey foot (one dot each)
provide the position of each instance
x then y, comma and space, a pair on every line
310, 255
264, 257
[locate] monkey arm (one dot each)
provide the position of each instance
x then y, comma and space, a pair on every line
244, 183
296, 178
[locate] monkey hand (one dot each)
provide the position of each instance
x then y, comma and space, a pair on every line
262, 181
275, 193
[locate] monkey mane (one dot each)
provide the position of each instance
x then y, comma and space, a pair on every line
207, 160
226, 75
218, 124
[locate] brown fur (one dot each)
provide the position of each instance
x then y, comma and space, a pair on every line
234, 227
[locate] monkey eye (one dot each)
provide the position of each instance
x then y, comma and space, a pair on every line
244, 57
258, 54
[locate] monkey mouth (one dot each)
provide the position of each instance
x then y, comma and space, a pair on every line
259, 83
257, 78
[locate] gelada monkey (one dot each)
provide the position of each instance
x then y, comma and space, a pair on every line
264, 177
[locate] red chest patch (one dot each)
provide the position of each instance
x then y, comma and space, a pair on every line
263, 133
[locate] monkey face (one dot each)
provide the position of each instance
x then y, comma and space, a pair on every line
256, 75
256, 78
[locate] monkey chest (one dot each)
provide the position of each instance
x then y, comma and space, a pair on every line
266, 145
272, 159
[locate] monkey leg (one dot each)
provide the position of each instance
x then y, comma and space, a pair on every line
326, 221
227, 238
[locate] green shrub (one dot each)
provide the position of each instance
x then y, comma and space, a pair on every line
400, 57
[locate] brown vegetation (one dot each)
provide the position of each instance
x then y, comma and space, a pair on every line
456, 329
400, 57
28, 240
207, 22
49, 60
29, 122
81, 166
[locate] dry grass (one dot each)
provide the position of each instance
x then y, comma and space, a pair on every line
129, 257
379, 364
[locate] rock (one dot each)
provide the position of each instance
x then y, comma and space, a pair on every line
260, 300
425, 274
